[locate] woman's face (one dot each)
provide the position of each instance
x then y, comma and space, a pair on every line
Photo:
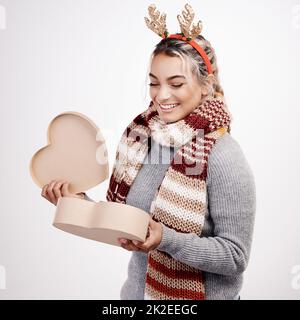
174, 95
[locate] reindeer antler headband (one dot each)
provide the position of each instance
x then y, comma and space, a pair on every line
158, 25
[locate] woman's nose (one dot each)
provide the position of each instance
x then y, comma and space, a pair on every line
163, 94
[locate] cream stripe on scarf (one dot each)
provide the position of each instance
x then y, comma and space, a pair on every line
181, 200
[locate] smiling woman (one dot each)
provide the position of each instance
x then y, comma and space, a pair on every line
175, 64
197, 186
174, 96
202, 204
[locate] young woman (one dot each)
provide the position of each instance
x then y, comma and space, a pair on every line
178, 161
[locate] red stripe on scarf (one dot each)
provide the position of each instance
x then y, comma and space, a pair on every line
174, 293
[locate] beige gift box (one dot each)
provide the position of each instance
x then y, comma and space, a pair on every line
76, 152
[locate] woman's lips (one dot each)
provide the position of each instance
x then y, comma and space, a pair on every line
168, 110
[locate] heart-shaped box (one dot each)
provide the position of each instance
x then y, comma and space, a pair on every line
76, 152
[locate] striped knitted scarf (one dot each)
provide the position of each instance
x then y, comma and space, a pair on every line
180, 200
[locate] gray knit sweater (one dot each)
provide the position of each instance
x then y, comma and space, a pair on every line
222, 252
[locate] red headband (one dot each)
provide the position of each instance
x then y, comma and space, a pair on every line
195, 45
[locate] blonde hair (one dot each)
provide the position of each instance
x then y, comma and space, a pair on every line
190, 57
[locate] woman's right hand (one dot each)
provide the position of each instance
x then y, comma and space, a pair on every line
56, 189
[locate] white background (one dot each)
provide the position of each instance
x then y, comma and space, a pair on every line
92, 57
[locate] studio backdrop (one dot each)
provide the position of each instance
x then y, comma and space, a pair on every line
93, 57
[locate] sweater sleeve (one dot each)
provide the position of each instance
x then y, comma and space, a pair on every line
231, 204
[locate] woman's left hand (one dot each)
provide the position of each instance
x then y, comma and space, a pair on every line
155, 231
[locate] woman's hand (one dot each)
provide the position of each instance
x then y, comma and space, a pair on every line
56, 189
155, 231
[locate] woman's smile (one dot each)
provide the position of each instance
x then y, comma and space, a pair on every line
168, 107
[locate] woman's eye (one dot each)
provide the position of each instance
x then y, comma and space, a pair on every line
173, 85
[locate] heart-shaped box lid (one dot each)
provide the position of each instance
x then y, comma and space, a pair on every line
76, 152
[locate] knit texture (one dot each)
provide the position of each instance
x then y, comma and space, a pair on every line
223, 250
180, 200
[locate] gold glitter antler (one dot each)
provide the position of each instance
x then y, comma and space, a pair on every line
186, 21
158, 21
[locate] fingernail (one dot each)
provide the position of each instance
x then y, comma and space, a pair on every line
135, 242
